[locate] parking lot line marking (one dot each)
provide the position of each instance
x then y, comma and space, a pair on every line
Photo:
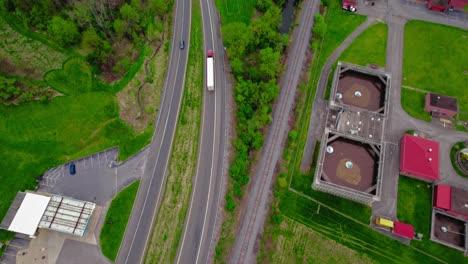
91, 158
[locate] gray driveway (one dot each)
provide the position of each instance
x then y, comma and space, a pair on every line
98, 177
73, 253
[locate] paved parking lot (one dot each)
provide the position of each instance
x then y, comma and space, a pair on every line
98, 177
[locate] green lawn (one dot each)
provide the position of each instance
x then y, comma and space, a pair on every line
116, 220
413, 103
415, 208
369, 47
435, 59
236, 10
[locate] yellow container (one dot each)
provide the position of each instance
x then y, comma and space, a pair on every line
384, 222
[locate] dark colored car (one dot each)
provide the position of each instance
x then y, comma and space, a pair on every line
182, 44
72, 168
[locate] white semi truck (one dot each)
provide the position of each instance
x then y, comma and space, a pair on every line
209, 71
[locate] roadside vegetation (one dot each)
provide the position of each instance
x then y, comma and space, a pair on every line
415, 207
116, 221
254, 51
58, 97
169, 223
435, 61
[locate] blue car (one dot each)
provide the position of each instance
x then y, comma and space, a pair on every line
72, 168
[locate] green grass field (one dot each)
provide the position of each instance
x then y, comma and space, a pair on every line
236, 11
415, 208
369, 47
297, 243
36, 136
435, 59
413, 102
116, 221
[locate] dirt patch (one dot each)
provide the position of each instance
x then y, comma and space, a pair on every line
150, 87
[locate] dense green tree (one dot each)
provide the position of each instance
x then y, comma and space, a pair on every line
236, 39
81, 14
264, 30
158, 7
64, 31
90, 40
263, 5
269, 63
8, 88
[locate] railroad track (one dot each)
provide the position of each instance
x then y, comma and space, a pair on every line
275, 142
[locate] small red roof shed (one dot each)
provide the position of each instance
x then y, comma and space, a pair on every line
419, 158
403, 229
441, 104
442, 197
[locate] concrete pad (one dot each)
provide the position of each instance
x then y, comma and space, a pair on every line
75, 252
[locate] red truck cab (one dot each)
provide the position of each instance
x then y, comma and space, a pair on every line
349, 5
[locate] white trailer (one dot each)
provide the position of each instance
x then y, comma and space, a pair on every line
209, 71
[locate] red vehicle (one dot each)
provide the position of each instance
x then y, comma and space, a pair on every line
349, 5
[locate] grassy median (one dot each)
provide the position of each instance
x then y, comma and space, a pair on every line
169, 223
116, 221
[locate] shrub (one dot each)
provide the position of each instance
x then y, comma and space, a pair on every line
230, 203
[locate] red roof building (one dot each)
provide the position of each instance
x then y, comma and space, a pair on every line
419, 158
452, 200
444, 5
442, 197
404, 230
441, 104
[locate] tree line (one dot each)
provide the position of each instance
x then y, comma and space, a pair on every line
92, 25
255, 53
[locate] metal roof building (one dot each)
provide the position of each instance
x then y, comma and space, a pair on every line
419, 158
30, 211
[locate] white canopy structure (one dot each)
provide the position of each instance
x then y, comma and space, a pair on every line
29, 214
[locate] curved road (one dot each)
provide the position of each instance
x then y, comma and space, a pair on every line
195, 243
133, 247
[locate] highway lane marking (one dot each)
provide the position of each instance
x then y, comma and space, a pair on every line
213, 149
159, 151
199, 154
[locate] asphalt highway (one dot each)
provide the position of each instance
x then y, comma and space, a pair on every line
150, 193
195, 243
